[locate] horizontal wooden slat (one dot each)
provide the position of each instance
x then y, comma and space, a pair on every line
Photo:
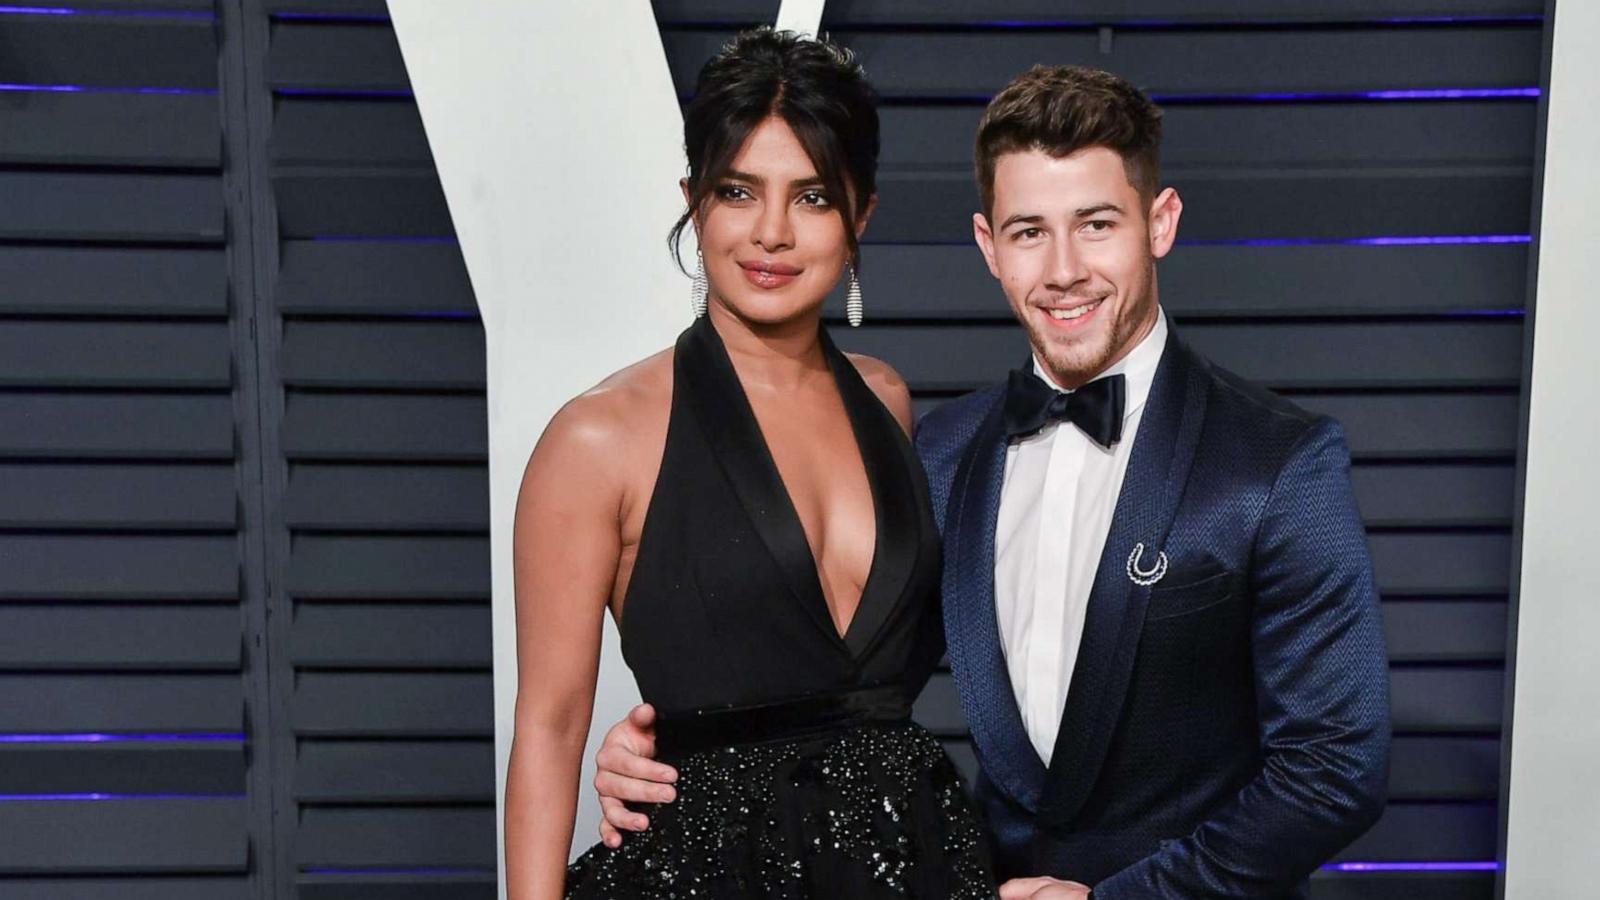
934, 281
106, 354
113, 130
1445, 700
155, 835
110, 51
448, 885
391, 636
1332, 136
1428, 832
190, 887
432, 355
133, 426
385, 427
103, 496
1292, 355
957, 64
361, 704
1444, 768
74, 704
123, 767
1441, 565
1445, 631
351, 203
436, 836
1426, 700
109, 281
111, 206
330, 55
395, 771
389, 568
320, 132
1257, 204
1048, 13
118, 567
1427, 885
119, 637
367, 278
1427, 426
327, 7
388, 498
1435, 495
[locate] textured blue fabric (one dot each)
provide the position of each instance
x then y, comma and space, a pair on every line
1227, 728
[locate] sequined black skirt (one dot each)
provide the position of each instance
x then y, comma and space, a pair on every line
872, 810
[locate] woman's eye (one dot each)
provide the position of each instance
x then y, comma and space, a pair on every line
814, 198
732, 192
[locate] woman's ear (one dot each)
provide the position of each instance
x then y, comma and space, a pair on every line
865, 214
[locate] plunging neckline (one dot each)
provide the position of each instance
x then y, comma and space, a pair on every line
757, 479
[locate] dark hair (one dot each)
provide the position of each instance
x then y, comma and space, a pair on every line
1063, 109
815, 86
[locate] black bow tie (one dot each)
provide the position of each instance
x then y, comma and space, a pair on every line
1096, 408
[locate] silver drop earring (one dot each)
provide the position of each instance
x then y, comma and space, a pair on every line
853, 309
698, 288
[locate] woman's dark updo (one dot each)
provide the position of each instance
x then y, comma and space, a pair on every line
813, 85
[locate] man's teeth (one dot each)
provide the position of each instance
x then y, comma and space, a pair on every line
1074, 313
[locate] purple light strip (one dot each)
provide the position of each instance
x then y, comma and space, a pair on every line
1393, 94
1178, 23
99, 737
388, 238
394, 870
90, 89
8, 798
1463, 866
1398, 240
79, 11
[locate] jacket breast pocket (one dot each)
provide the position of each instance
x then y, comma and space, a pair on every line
1185, 595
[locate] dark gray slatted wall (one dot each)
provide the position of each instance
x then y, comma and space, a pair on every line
386, 505
1354, 237
122, 674
240, 369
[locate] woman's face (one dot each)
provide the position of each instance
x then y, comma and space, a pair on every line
772, 237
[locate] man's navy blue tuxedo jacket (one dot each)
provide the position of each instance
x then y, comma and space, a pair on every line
1227, 728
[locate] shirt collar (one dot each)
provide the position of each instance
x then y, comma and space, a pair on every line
1138, 368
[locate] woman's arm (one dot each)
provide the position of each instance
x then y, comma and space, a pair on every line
566, 545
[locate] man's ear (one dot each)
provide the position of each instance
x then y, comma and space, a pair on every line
1165, 211
983, 235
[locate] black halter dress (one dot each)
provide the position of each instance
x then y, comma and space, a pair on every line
800, 773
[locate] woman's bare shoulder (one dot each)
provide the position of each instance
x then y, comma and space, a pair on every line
609, 415
891, 389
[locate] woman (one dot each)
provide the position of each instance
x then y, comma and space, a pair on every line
750, 509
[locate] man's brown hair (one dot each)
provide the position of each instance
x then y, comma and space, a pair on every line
1063, 109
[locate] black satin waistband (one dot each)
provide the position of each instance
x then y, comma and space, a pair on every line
816, 714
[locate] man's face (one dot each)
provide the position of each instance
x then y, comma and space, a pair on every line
1074, 248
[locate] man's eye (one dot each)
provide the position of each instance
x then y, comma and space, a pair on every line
1029, 234
1098, 225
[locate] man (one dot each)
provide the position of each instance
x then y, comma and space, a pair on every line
1158, 599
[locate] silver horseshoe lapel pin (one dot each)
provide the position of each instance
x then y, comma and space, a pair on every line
1145, 577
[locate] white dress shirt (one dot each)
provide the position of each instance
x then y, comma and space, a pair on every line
1056, 504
